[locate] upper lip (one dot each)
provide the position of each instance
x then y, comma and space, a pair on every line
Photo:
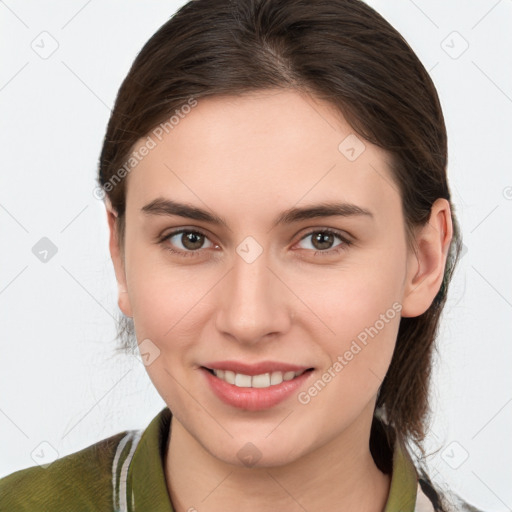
256, 368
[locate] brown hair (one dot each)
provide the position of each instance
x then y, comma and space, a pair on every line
341, 51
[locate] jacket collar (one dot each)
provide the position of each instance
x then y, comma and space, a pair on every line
147, 488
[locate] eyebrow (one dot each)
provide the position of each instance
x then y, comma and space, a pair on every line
162, 206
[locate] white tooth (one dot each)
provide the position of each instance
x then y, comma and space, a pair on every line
257, 381
261, 381
276, 378
243, 381
229, 376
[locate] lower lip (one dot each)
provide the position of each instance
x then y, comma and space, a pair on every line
254, 399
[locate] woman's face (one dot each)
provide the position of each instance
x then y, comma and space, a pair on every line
265, 290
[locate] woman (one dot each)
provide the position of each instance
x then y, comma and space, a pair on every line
283, 239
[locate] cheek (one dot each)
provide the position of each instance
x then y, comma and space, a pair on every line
162, 296
352, 298
165, 303
360, 310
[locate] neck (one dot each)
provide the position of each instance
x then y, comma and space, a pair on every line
340, 475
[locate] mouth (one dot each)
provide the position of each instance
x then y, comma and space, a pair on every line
254, 387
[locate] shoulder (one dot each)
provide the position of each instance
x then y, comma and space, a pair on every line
83, 480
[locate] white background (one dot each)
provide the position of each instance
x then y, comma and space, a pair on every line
59, 380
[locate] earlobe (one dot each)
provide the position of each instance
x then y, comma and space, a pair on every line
427, 264
116, 254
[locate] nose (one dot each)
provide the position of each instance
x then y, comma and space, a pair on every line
254, 304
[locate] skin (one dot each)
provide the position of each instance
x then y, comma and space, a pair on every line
229, 155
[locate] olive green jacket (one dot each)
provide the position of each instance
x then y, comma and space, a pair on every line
125, 473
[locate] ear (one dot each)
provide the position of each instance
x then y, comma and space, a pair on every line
425, 267
116, 253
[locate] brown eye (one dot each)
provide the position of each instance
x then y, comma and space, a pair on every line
186, 241
192, 241
324, 241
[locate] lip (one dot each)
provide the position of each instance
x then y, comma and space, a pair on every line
255, 399
255, 369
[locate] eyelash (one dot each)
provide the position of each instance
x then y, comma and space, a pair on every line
329, 252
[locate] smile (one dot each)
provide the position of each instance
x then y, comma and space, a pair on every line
254, 387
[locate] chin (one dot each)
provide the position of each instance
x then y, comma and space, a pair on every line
255, 452
249, 456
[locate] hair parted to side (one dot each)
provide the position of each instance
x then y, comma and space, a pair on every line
341, 51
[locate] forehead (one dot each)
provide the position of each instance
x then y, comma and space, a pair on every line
261, 152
